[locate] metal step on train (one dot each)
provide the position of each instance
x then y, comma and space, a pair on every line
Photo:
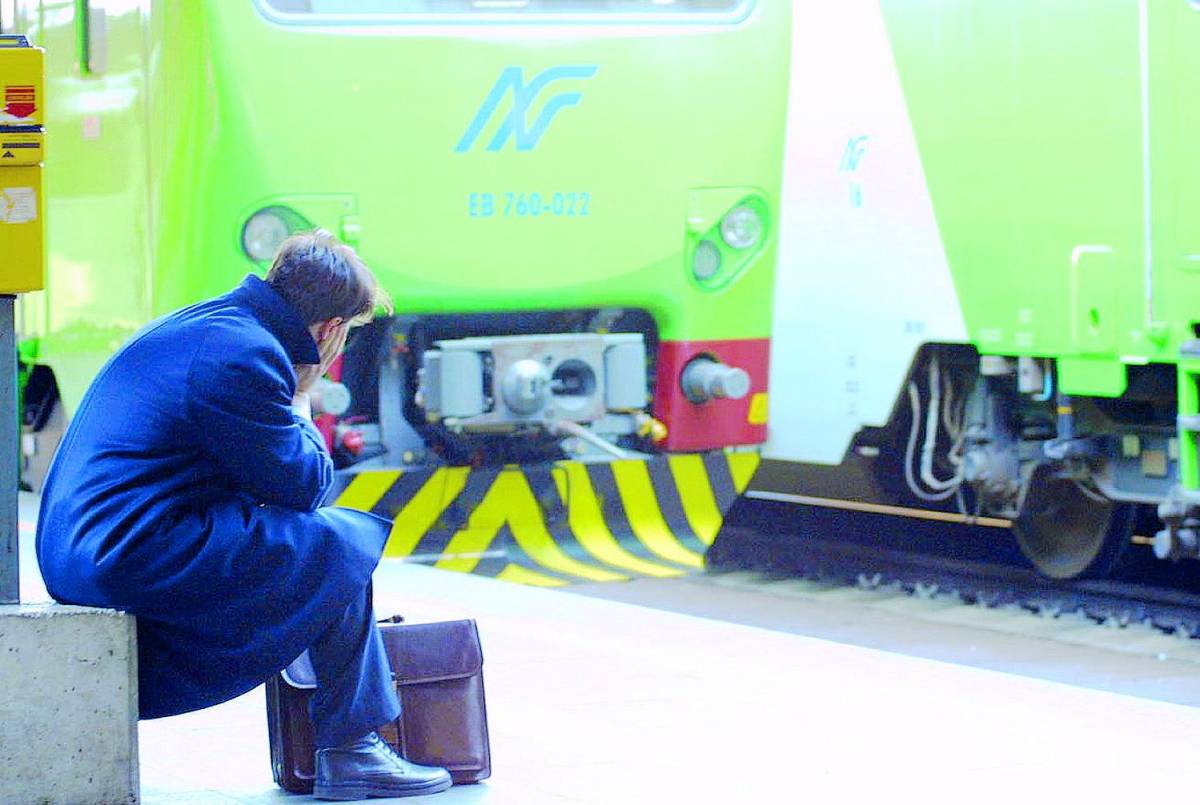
559, 523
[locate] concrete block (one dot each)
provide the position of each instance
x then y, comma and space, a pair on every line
68, 706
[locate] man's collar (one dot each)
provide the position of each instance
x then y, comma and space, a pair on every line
280, 319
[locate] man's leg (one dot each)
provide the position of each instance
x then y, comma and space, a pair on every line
354, 696
354, 679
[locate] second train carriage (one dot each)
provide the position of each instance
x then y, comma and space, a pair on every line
989, 277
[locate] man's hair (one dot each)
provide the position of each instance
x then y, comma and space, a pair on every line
324, 278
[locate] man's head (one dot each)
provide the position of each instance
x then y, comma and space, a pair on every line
326, 282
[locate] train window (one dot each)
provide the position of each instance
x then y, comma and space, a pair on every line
8, 16
393, 11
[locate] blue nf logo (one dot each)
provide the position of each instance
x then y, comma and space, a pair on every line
855, 149
523, 95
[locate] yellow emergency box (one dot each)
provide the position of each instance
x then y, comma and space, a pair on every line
22, 111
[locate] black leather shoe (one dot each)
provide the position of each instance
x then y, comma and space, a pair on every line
369, 768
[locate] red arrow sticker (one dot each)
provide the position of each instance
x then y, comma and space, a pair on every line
20, 100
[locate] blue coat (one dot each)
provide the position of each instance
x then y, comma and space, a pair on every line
187, 492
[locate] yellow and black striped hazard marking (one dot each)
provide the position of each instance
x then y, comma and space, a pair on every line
557, 524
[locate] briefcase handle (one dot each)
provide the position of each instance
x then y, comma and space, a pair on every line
393, 619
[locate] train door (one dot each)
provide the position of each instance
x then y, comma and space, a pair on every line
1187, 35
1174, 120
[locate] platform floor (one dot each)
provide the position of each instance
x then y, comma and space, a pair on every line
593, 700
1137, 660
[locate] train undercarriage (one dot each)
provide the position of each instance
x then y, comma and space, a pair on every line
972, 438
1076, 479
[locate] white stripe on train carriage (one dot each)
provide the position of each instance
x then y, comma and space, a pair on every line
863, 279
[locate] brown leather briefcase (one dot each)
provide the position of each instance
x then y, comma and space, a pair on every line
438, 670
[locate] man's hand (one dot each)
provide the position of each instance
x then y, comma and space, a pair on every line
329, 348
306, 375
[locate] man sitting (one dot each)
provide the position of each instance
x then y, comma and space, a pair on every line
188, 490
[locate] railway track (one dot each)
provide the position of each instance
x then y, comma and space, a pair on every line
950, 562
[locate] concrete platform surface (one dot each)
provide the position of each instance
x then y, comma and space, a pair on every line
594, 701
603, 701
1138, 659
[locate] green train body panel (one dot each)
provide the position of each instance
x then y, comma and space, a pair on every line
1058, 142
206, 112
1058, 145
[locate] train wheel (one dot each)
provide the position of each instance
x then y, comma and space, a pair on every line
1067, 533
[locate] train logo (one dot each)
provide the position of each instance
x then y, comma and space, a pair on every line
523, 96
855, 149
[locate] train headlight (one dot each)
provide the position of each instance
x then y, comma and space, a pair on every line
741, 227
706, 262
727, 230
265, 231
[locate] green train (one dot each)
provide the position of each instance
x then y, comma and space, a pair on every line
965, 231
989, 269
588, 190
